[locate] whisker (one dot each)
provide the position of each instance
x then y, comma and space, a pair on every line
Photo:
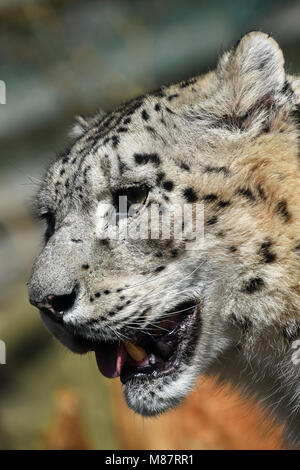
33, 179
179, 281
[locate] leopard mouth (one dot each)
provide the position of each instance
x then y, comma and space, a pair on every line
157, 351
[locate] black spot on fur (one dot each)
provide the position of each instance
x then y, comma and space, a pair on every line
157, 107
190, 195
115, 140
76, 240
232, 249
145, 115
171, 97
144, 158
85, 266
221, 234
169, 110
217, 169
210, 197
160, 176
213, 220
184, 166
188, 82
151, 130
254, 284
282, 211
104, 242
127, 120
223, 204
247, 193
65, 159
106, 292
122, 129
267, 255
261, 192
97, 294
159, 269
266, 128
168, 185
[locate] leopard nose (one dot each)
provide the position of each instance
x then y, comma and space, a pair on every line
55, 306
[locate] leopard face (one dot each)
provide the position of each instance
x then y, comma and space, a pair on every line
156, 313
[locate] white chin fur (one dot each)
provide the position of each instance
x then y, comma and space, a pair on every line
160, 395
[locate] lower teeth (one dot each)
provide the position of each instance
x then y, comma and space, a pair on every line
152, 359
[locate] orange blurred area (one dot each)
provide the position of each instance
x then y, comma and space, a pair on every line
67, 431
211, 418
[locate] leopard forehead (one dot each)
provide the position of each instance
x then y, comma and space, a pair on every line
135, 142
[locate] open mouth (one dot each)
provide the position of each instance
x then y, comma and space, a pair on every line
156, 351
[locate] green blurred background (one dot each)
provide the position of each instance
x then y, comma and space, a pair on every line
65, 57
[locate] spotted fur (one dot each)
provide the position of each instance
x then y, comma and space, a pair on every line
230, 140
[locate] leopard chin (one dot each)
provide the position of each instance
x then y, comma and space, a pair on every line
156, 366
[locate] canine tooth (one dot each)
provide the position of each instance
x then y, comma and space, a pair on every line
136, 352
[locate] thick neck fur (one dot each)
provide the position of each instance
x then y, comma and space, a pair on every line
273, 381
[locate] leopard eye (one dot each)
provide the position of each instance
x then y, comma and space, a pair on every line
129, 201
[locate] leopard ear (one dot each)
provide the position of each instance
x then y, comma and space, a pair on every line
253, 74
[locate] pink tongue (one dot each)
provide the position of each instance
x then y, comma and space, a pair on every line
110, 359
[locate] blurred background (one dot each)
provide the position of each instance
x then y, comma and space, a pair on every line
60, 58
